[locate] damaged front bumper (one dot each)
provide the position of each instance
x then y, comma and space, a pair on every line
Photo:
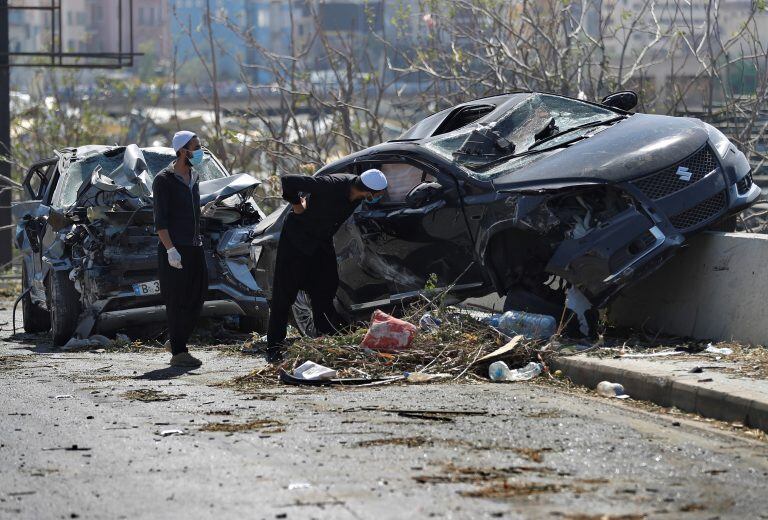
671, 205
599, 237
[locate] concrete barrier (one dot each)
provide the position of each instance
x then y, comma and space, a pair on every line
714, 289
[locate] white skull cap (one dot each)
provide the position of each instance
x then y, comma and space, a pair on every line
181, 138
374, 180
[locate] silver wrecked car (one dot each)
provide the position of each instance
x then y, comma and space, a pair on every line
90, 251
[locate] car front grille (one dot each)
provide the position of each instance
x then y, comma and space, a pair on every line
668, 181
701, 212
744, 184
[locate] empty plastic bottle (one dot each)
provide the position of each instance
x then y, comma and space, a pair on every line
492, 320
532, 326
608, 389
499, 371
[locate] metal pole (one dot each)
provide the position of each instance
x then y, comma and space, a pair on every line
5, 135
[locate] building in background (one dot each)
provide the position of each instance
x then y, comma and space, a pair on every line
191, 39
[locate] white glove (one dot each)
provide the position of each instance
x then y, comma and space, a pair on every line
209, 209
174, 258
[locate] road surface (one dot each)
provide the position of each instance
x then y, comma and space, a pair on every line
82, 436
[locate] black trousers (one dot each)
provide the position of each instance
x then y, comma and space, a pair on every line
183, 291
316, 274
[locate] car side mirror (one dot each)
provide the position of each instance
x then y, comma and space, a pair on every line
624, 100
422, 194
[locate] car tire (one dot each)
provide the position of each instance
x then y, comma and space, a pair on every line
254, 323
35, 318
65, 307
301, 312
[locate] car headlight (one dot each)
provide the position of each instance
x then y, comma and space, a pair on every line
235, 242
718, 139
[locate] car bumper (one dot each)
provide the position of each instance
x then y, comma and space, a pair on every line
639, 240
231, 291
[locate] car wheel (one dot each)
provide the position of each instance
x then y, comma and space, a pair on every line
35, 318
254, 323
65, 307
303, 319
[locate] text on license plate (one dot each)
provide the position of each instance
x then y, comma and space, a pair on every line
146, 288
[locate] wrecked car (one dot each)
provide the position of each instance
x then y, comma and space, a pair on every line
553, 202
90, 250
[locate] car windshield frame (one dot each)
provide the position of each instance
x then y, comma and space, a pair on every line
519, 125
73, 177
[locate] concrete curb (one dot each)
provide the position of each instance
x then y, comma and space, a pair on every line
724, 403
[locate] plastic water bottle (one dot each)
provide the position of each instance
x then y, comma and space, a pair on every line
499, 371
532, 326
492, 320
608, 389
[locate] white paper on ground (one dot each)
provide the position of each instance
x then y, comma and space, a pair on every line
311, 371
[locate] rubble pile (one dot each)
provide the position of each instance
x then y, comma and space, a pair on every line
455, 346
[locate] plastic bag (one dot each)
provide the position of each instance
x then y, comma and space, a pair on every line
387, 333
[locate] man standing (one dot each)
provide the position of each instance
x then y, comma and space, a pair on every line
306, 258
181, 263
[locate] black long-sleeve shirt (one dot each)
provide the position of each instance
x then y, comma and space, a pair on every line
328, 206
177, 207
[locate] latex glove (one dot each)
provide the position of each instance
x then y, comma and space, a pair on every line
174, 258
208, 210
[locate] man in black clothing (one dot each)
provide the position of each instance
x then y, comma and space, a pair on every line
181, 264
306, 259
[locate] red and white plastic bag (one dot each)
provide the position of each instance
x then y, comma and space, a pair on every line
388, 334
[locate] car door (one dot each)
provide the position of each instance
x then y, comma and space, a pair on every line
407, 244
30, 215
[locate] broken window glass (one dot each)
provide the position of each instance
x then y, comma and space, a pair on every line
80, 171
537, 117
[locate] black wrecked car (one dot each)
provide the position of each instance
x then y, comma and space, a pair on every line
90, 251
551, 201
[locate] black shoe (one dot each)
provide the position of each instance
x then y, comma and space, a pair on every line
274, 355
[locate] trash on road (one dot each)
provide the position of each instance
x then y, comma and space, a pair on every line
311, 371
724, 351
96, 340
608, 389
429, 323
64, 396
289, 379
532, 326
167, 433
299, 485
421, 377
387, 333
663, 353
499, 371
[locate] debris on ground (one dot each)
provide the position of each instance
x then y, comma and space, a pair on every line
311, 371
499, 371
608, 389
266, 426
149, 395
724, 351
388, 334
532, 326
460, 348
168, 433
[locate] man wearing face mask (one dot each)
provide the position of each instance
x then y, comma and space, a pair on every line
306, 259
181, 264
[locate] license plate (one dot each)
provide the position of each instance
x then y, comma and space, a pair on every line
146, 288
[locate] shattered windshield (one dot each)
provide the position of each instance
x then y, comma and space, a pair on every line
80, 171
536, 123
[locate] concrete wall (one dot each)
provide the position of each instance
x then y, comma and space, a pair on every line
714, 289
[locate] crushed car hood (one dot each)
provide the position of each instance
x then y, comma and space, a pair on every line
634, 147
220, 189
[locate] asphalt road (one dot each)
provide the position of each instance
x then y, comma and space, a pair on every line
75, 443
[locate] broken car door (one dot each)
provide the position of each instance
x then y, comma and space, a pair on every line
417, 235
